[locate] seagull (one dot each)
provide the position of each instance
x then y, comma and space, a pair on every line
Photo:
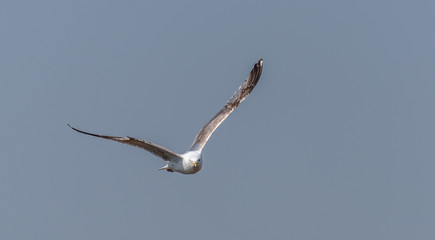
190, 162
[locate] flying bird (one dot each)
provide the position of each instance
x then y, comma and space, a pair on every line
190, 162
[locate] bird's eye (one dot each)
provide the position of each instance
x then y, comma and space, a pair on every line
199, 160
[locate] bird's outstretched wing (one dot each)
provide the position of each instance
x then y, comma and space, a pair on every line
242, 92
153, 148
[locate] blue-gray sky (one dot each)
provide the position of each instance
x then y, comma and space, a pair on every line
337, 141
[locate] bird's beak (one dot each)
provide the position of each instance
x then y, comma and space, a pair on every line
195, 164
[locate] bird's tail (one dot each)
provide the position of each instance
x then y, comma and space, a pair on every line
167, 168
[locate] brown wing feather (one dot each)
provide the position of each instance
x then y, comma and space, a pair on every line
242, 92
153, 148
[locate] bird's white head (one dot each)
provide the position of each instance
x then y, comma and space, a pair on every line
193, 160
197, 163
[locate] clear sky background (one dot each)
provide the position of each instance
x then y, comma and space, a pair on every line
337, 141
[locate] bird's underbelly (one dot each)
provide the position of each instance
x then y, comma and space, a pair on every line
186, 169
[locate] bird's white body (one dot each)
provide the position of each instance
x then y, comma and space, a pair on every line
190, 162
